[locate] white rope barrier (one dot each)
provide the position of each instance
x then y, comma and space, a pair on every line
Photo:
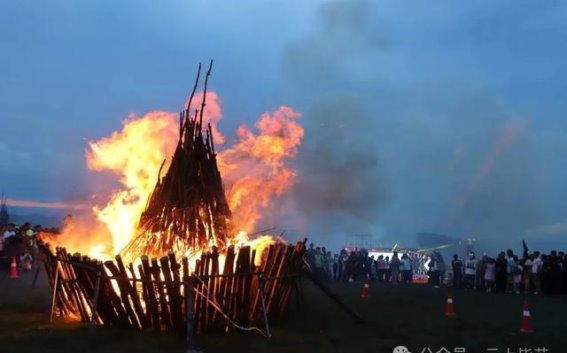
219, 309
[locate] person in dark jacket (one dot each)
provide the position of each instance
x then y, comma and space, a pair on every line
457, 266
501, 266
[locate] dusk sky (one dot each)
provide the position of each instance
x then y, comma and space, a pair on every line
444, 117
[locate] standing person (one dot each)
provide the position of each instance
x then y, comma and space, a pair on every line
388, 270
545, 277
372, 268
555, 272
480, 269
34, 244
310, 256
436, 266
489, 275
441, 267
30, 249
343, 257
336, 265
501, 275
470, 271
2, 240
510, 264
395, 265
10, 231
537, 264
325, 265
433, 271
382, 267
457, 266
350, 266
407, 269
517, 271
527, 274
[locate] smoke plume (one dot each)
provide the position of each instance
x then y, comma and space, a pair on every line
393, 151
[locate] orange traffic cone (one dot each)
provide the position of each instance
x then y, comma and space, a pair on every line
526, 323
449, 307
365, 290
14, 268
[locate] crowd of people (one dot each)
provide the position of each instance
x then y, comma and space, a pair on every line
358, 265
506, 273
19, 242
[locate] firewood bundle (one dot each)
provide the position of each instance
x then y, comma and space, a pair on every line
188, 210
161, 294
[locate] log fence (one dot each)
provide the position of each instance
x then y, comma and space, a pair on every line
164, 295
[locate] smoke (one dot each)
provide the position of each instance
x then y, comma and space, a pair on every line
338, 173
339, 170
392, 148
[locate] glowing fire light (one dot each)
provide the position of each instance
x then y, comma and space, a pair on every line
254, 170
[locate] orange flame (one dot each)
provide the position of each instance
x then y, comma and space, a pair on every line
135, 154
256, 166
254, 171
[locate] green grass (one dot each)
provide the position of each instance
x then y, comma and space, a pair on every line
411, 315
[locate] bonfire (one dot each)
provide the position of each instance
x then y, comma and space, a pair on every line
188, 210
185, 266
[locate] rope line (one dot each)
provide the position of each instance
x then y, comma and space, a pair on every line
216, 306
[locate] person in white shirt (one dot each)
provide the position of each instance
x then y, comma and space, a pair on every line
10, 231
527, 274
517, 271
510, 266
490, 274
470, 271
537, 264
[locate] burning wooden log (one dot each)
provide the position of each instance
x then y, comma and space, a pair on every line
187, 214
188, 210
156, 296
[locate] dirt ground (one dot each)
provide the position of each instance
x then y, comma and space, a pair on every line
408, 315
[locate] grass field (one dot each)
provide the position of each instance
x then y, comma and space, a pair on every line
409, 315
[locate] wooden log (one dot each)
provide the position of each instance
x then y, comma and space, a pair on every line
164, 310
145, 294
70, 283
294, 266
227, 283
138, 284
108, 292
133, 293
151, 304
198, 287
188, 295
123, 289
213, 283
174, 301
104, 308
206, 292
272, 282
63, 289
246, 282
50, 269
83, 283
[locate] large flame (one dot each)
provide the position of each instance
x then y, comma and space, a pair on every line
255, 169
135, 154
